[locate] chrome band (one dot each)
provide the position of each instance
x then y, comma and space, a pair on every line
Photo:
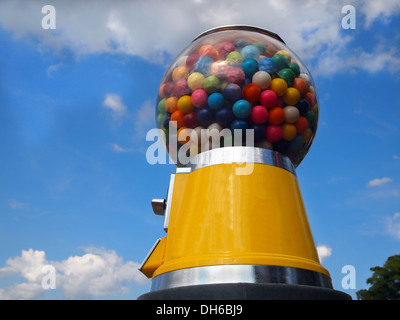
239, 274
241, 155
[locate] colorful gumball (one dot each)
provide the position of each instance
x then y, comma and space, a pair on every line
242, 109
274, 133
279, 86
211, 84
301, 86
268, 65
219, 68
192, 60
276, 115
268, 98
209, 51
235, 75
262, 79
161, 106
289, 131
203, 65
184, 104
250, 67
171, 104
215, 101
281, 61
181, 88
301, 124
234, 58
180, 72
291, 96
195, 80
205, 116
183, 135
190, 120
250, 52
224, 117
259, 114
287, 74
232, 92
225, 48
251, 92
177, 119
199, 98
292, 114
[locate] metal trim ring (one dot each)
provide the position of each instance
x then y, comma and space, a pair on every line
241, 155
240, 274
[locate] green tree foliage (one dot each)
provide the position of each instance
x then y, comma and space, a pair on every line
385, 282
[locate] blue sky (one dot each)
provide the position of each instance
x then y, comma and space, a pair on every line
76, 103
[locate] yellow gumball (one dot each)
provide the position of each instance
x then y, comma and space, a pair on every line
279, 86
289, 131
185, 104
291, 96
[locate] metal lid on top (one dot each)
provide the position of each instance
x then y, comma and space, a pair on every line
240, 27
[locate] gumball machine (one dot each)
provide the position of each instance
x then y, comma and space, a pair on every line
238, 112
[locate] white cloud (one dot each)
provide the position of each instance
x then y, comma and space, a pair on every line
379, 10
15, 204
378, 182
155, 30
97, 273
393, 225
114, 102
323, 252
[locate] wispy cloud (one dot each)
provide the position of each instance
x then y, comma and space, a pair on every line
116, 27
15, 204
323, 252
99, 272
393, 225
379, 182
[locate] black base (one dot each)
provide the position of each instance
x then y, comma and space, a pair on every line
246, 291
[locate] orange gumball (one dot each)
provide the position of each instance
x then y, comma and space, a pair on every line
301, 86
209, 51
177, 119
251, 92
310, 98
301, 125
183, 135
276, 115
179, 73
171, 104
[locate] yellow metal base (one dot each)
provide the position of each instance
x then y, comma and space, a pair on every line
220, 218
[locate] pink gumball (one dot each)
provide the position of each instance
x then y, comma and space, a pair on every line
268, 99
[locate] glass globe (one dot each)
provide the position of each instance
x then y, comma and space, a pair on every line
237, 86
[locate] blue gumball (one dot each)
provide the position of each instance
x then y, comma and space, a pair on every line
224, 117
203, 65
215, 101
242, 109
250, 67
268, 65
303, 107
205, 116
250, 52
259, 131
232, 92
